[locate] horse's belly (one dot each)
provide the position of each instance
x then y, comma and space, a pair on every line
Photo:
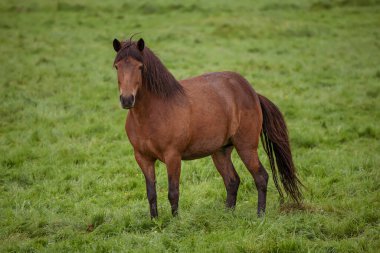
204, 147
198, 154
195, 156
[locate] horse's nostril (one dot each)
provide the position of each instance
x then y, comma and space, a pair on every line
131, 99
127, 102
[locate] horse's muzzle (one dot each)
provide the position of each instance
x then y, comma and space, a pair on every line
127, 102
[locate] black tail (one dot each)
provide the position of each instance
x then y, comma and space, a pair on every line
274, 137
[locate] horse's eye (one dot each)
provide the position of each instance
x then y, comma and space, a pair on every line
115, 67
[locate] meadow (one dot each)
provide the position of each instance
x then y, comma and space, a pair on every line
68, 178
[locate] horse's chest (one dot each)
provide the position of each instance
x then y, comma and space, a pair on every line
143, 139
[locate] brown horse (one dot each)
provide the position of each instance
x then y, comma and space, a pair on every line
172, 120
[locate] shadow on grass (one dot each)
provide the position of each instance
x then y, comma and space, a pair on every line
289, 208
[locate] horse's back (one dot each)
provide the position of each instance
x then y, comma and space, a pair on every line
230, 90
230, 86
221, 104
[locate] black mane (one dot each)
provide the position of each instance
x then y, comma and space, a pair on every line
156, 78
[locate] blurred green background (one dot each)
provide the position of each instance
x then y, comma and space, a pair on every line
69, 181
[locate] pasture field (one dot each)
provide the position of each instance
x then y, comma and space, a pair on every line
68, 178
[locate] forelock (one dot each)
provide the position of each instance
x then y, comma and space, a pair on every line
128, 49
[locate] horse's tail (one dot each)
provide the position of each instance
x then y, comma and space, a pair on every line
275, 140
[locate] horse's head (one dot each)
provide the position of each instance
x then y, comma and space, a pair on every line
129, 66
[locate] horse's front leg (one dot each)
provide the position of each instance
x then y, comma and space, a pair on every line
147, 166
173, 165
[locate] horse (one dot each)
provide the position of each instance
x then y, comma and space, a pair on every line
171, 121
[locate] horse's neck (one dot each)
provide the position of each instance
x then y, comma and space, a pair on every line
147, 105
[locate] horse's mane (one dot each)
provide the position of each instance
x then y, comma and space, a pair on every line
155, 76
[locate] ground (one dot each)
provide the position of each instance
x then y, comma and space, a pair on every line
69, 181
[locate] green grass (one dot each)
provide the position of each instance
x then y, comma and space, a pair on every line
69, 182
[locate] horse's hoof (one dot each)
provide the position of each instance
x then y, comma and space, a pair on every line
261, 214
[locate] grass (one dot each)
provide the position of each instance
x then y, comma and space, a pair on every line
69, 182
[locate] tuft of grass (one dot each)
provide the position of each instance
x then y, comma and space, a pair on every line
96, 220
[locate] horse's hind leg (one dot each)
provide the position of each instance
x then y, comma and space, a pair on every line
251, 160
223, 163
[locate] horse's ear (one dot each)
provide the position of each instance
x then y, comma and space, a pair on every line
140, 44
116, 45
